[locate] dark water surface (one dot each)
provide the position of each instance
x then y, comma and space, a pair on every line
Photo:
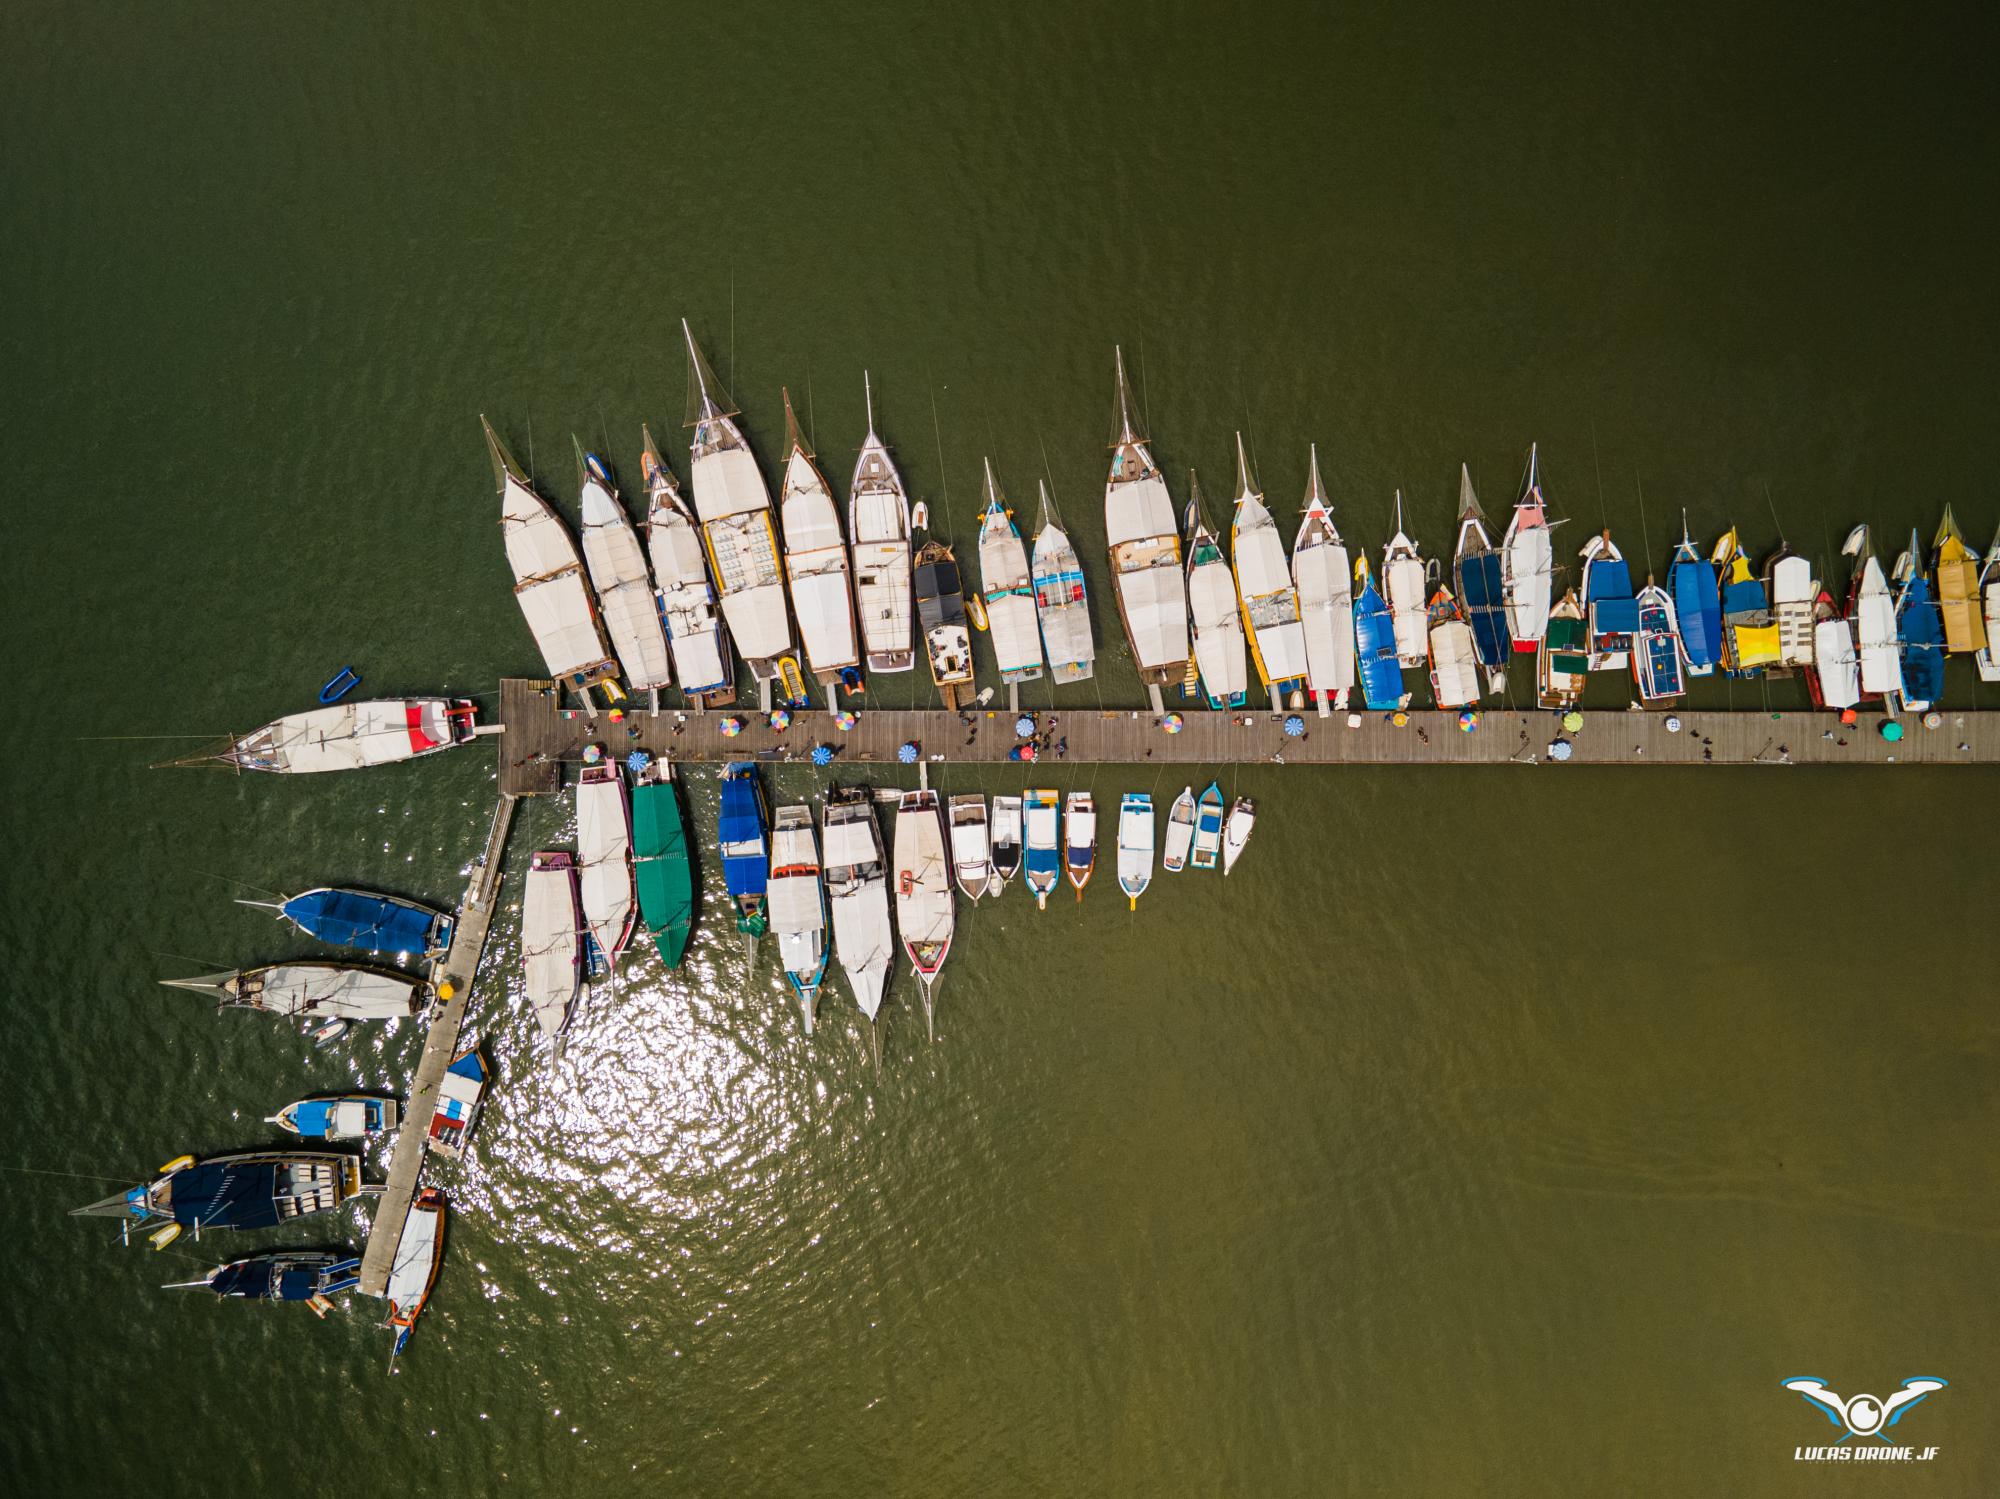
1496, 1132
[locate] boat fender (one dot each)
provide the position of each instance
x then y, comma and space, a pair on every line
178, 1163
161, 1238
906, 882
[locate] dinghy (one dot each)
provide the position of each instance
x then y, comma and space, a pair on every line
857, 888
631, 608
1404, 577
740, 838
337, 686
1564, 658
1454, 660
1060, 600
1989, 594
798, 905
551, 941
249, 1189
1792, 588
548, 578
1375, 645
1006, 840
312, 991
308, 1275
413, 1272
1269, 599
1957, 570
971, 845
662, 870
1656, 647
1871, 610
1326, 597
1919, 633
1079, 839
1208, 828
1135, 845
1180, 832
878, 520
1609, 607
816, 566
941, 619
734, 508
1008, 590
604, 859
1042, 814
1145, 552
1528, 562
1749, 638
339, 1117
1236, 832
924, 911
1214, 610
695, 633
460, 1094
349, 736
1697, 606
1478, 569
1835, 681
384, 925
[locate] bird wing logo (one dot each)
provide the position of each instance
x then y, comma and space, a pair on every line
1865, 1415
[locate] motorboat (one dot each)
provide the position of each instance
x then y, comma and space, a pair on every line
1180, 832
1236, 832
1208, 828
1006, 840
1135, 845
1042, 815
971, 844
1079, 839
796, 897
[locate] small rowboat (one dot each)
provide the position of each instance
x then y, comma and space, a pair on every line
414, 1271
1080, 839
1208, 828
551, 941
971, 844
1242, 820
1006, 841
1180, 832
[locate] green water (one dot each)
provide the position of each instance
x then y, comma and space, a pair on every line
1492, 1132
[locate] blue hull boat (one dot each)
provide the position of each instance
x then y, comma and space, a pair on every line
370, 923
308, 1275
744, 835
1919, 634
339, 1116
1697, 607
1375, 644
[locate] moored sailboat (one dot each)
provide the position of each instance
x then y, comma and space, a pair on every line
311, 991
631, 609
1145, 552
247, 1189
1326, 596
384, 925
1478, 569
1610, 610
695, 633
352, 735
1208, 828
1454, 660
924, 911
1180, 832
740, 838
1528, 562
857, 888
797, 896
551, 939
1214, 610
1404, 577
1835, 681
1042, 816
604, 860
339, 1117
1006, 840
1375, 656
1656, 647
942, 621
1135, 845
1079, 839
662, 870
816, 566
878, 524
1871, 610
1008, 589
1060, 600
413, 1272
1265, 591
1956, 568
971, 844
1919, 632
308, 1275
1749, 638
1564, 659
1697, 606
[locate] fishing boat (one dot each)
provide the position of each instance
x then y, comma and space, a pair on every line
1454, 660
1835, 680
941, 618
551, 939
1326, 596
339, 1116
1008, 589
798, 905
1236, 832
1956, 568
1180, 832
1609, 607
1145, 552
312, 991
1042, 814
1079, 839
1478, 569
816, 565
1214, 610
924, 911
663, 871
1697, 606
971, 844
384, 925
351, 735
1135, 845
1656, 647
1265, 591
1919, 632
1208, 828
1989, 594
604, 860
1006, 840
413, 1272
734, 508
740, 837
548, 578
1404, 580
1060, 601
695, 634
857, 888
1528, 562
1375, 654
312, 1276
461, 1092
617, 567
1792, 589
1564, 658
878, 521
1871, 610
1749, 638
249, 1189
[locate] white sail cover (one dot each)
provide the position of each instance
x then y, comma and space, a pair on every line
878, 518
1527, 573
798, 916
1875, 633
1324, 578
1010, 598
1218, 628
548, 582
687, 598
1454, 666
924, 911
816, 560
1145, 549
604, 856
348, 736
1835, 661
550, 949
328, 991
1793, 590
415, 1259
1403, 584
1270, 602
624, 589
735, 512
858, 895
1062, 606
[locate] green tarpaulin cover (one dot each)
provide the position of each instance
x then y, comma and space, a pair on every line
666, 880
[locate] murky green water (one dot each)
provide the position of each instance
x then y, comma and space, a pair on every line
1501, 1132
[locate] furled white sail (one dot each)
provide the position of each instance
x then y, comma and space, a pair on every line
1008, 590
1875, 633
1264, 584
878, 521
1145, 552
624, 587
604, 856
816, 561
687, 597
1324, 579
548, 577
1837, 665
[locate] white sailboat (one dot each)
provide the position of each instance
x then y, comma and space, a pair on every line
1528, 563
971, 844
1060, 600
878, 523
1323, 577
1145, 552
734, 507
695, 635
551, 947
816, 564
1403, 582
352, 735
796, 897
1236, 832
604, 856
1836, 667
1988, 658
618, 572
924, 911
1270, 601
1135, 845
1009, 592
1872, 609
1180, 832
1217, 615
1006, 834
1788, 579
857, 888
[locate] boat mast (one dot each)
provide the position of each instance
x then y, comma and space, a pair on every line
993, 504
504, 464
1468, 499
1315, 491
1127, 433
794, 442
1196, 519
706, 388
868, 393
1048, 515
1244, 489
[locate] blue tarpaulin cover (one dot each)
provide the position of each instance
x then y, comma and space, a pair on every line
1484, 599
1698, 602
740, 832
1614, 616
1375, 650
1920, 629
369, 923
1746, 597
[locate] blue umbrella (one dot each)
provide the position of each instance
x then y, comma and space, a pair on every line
1295, 726
1024, 727
907, 754
822, 755
638, 760
1561, 749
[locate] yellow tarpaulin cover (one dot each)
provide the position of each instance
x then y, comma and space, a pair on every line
1958, 602
1757, 646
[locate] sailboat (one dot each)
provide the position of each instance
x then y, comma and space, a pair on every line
941, 619
1697, 606
382, 925
1564, 658
1479, 571
1404, 577
1180, 832
924, 911
1006, 841
1236, 832
1454, 661
248, 1189
1326, 597
740, 835
1528, 562
662, 870
1871, 611
1008, 589
1835, 681
413, 1272
971, 845
1656, 647
1208, 828
1957, 570
695, 634
631, 609
1145, 552
1215, 611
309, 1275
1060, 600
797, 899
1609, 607
1269, 600
1749, 638
1042, 813
857, 888
1135, 845
1375, 653
816, 566
551, 944
548, 578
878, 521
604, 857
734, 507
311, 991
1919, 632
1989, 594
352, 735
1079, 839
1792, 589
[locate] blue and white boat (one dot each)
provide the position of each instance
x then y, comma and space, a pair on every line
1041, 813
250, 1189
308, 1275
1697, 606
1919, 632
1375, 645
1610, 611
741, 834
1208, 828
339, 1116
798, 905
385, 925
1656, 647
1135, 845
1482, 590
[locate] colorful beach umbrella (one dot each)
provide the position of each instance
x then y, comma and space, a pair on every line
781, 719
731, 726
846, 720
1173, 723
